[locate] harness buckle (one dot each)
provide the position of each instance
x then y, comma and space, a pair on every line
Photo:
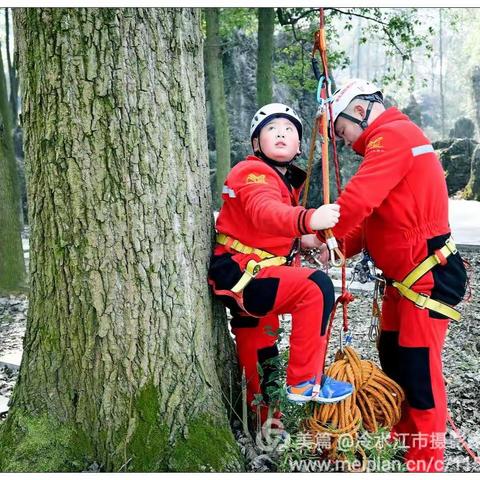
422, 303
451, 246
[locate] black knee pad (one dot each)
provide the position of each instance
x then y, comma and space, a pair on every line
326, 286
415, 379
268, 368
389, 354
259, 295
244, 321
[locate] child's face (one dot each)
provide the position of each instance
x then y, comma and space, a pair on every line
279, 140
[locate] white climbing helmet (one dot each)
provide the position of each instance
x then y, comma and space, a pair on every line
270, 111
353, 88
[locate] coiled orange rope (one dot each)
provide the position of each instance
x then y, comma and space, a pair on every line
375, 402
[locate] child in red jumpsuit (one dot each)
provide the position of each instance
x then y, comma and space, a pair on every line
255, 267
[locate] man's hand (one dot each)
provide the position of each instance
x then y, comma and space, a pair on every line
310, 241
325, 216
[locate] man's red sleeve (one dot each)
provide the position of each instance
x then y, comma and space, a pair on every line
386, 162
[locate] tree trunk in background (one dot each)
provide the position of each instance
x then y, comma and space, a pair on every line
440, 52
476, 94
12, 265
266, 23
472, 190
12, 73
218, 102
357, 41
119, 363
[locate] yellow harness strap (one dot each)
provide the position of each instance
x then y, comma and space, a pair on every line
230, 242
420, 299
448, 249
424, 301
253, 267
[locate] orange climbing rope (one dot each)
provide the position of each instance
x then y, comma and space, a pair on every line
321, 125
376, 400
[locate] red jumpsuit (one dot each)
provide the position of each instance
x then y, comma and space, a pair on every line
396, 206
260, 209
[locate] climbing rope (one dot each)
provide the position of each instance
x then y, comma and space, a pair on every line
321, 126
375, 402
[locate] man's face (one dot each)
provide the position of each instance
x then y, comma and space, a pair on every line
279, 140
347, 130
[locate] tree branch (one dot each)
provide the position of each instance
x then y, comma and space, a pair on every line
357, 15
376, 20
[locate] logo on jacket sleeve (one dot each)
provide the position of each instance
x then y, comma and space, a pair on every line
375, 144
254, 178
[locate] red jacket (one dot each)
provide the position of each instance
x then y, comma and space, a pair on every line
398, 198
260, 207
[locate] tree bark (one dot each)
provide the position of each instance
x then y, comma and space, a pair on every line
218, 102
120, 344
266, 23
12, 265
12, 73
475, 82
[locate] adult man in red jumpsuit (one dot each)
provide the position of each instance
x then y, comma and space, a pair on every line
259, 228
396, 207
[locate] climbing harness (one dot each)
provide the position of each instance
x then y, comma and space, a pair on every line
253, 267
421, 300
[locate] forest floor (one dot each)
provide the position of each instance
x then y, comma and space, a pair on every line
461, 358
461, 367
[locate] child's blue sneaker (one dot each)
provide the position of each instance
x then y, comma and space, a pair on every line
328, 391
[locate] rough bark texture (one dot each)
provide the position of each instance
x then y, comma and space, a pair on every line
120, 343
266, 22
12, 72
12, 266
214, 66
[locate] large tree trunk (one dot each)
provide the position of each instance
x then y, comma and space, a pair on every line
119, 355
12, 266
213, 62
266, 23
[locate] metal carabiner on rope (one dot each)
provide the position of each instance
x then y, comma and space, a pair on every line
336, 256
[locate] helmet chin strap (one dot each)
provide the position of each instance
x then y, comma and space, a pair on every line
363, 123
271, 161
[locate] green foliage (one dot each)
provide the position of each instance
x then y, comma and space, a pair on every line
238, 18
399, 31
